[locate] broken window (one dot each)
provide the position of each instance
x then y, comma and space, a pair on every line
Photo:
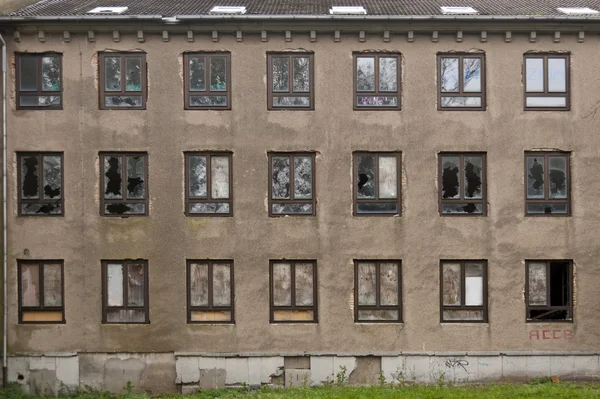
207, 80
40, 184
125, 291
462, 184
547, 183
463, 291
377, 291
39, 81
291, 188
41, 291
377, 187
293, 291
124, 184
546, 78
210, 291
549, 290
208, 184
290, 80
122, 80
461, 81
377, 81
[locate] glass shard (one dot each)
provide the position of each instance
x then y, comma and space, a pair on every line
52, 177
535, 177
366, 176
376, 101
450, 177
292, 209
136, 187
112, 172
208, 208
197, 176
208, 101
123, 101
50, 73
133, 82
288, 101
473, 176
558, 176
472, 75
30, 177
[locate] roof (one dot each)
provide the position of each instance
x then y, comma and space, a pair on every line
169, 8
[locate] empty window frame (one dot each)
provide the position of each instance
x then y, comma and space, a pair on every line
207, 80
40, 183
122, 80
376, 81
462, 183
463, 291
123, 184
292, 184
210, 291
39, 81
547, 189
461, 80
547, 82
293, 291
208, 184
549, 290
378, 291
125, 292
377, 184
290, 81
41, 291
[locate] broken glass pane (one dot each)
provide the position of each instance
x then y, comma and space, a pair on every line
558, 176
473, 176
218, 77
50, 73
197, 74
281, 178
220, 177
547, 208
551, 102
304, 284
136, 187
52, 176
367, 283
134, 74
302, 177
30, 285
473, 284
388, 74
39, 101
376, 101
44, 208
366, 176
291, 101
123, 101
450, 177
221, 285
449, 74
365, 74
282, 284
472, 75
461, 102
200, 208
112, 183
463, 315
197, 176
380, 315
28, 73
537, 284
199, 284
135, 285
391, 207
125, 209
281, 77
301, 74
292, 209
535, 177
30, 176
52, 285
534, 69
557, 75
472, 208
112, 73
451, 284
208, 101
388, 177
388, 284
115, 284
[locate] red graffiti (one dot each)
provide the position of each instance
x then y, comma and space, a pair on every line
544, 335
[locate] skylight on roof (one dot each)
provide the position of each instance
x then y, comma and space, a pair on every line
355, 10
458, 10
108, 10
577, 10
228, 10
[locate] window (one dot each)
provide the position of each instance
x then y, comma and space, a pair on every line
208, 184
546, 82
292, 187
461, 82
462, 184
376, 81
39, 81
122, 80
125, 291
293, 291
549, 290
207, 80
118, 199
40, 183
41, 291
547, 188
377, 189
377, 291
210, 291
291, 82
463, 291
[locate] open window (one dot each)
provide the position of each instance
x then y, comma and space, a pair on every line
549, 290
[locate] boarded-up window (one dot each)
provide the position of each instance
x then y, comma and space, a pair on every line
125, 291
293, 291
39, 81
462, 184
210, 291
207, 80
124, 184
291, 184
290, 81
463, 291
549, 290
122, 80
548, 182
547, 80
208, 184
41, 291
40, 184
378, 291
377, 187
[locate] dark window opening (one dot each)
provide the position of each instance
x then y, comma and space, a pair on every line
40, 184
377, 183
547, 184
462, 184
124, 184
549, 290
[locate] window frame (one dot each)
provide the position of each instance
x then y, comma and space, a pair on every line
125, 263
378, 305
197, 200
290, 93
41, 264
462, 199
567, 94
291, 156
210, 306
19, 55
461, 55
376, 92
315, 306
124, 200
102, 79
356, 200
41, 200
484, 307
547, 199
208, 91
569, 308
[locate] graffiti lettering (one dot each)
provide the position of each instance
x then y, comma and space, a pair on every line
454, 363
545, 335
